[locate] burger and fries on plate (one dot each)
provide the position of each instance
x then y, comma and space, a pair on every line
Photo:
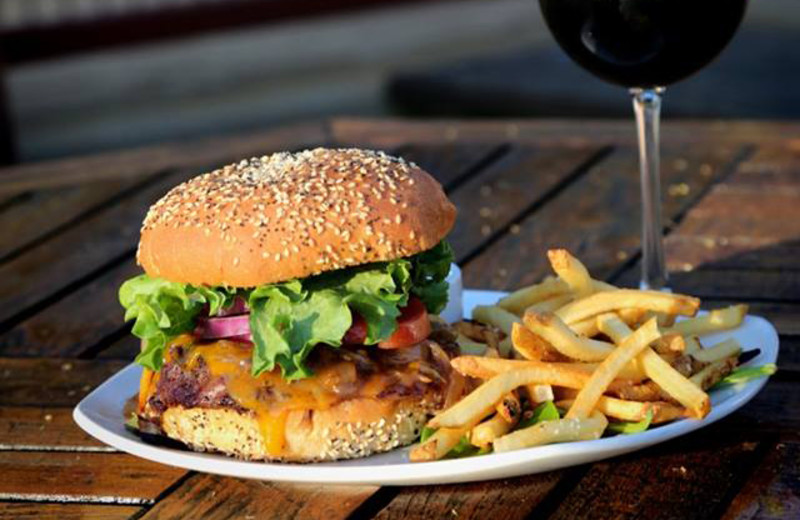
288, 313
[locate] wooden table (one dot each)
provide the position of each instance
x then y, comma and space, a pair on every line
732, 206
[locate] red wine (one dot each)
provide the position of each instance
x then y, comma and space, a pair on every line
643, 43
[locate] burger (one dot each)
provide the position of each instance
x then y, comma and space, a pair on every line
288, 307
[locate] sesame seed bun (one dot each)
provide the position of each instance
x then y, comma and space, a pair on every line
293, 215
351, 429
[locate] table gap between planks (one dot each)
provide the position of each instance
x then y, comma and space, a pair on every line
732, 224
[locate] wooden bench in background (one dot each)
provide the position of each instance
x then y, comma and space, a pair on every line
37, 30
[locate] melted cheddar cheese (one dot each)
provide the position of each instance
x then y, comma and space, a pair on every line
269, 396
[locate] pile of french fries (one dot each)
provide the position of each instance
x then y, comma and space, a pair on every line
599, 353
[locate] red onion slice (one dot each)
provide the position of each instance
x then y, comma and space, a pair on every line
224, 327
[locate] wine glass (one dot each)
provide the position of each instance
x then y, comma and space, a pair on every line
644, 45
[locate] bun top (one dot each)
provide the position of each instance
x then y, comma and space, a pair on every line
293, 215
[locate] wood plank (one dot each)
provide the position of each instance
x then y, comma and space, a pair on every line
449, 163
83, 477
43, 428
757, 211
51, 382
105, 238
773, 492
388, 132
737, 252
774, 410
686, 479
72, 325
48, 211
145, 161
789, 354
29, 510
492, 200
507, 499
125, 348
202, 496
748, 222
739, 285
597, 218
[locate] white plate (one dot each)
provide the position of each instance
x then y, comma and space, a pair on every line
101, 415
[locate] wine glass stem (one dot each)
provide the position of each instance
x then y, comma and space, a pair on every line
647, 106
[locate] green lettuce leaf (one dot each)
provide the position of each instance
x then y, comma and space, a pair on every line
163, 310
430, 269
462, 449
286, 322
426, 433
546, 411
288, 319
631, 427
745, 374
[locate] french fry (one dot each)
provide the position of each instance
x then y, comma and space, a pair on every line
599, 286
713, 373
630, 347
664, 320
670, 344
486, 368
632, 316
548, 432
661, 372
631, 373
437, 445
724, 349
486, 432
680, 388
658, 370
509, 407
483, 399
572, 271
586, 328
551, 304
492, 353
607, 301
714, 321
533, 347
633, 410
616, 329
612, 326
497, 316
550, 327
521, 299
692, 345
540, 393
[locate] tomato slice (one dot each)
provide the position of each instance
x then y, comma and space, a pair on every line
413, 326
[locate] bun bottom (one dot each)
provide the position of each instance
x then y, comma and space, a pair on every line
351, 429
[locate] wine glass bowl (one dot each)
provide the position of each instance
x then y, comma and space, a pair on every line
644, 45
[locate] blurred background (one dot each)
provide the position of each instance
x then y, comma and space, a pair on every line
79, 76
